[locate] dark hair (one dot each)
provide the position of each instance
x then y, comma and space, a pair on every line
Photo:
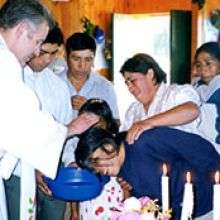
141, 63
80, 41
212, 48
102, 109
55, 36
15, 11
93, 139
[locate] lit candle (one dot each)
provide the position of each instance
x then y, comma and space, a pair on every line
165, 189
216, 198
187, 205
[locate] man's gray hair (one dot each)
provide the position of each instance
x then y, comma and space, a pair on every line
16, 11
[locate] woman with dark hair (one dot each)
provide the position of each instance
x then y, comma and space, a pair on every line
207, 66
140, 163
158, 104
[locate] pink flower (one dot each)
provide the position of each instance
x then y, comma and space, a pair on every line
144, 200
129, 216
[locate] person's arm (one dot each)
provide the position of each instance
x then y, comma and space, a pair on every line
179, 115
81, 123
169, 145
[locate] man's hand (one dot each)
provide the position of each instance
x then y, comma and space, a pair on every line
78, 101
82, 123
41, 184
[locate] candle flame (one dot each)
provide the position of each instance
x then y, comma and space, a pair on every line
188, 177
164, 169
217, 176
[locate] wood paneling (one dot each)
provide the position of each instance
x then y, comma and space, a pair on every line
211, 5
68, 14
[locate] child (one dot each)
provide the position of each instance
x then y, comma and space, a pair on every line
207, 66
112, 194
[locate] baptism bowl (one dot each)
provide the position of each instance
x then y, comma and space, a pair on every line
76, 184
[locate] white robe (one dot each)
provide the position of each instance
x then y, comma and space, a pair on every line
26, 133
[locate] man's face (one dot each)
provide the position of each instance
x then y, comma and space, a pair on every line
47, 54
80, 62
30, 41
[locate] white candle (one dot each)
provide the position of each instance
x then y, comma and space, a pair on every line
187, 205
216, 198
165, 189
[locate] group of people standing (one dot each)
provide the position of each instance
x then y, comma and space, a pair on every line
42, 113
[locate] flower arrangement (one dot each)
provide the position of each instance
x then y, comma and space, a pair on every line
143, 208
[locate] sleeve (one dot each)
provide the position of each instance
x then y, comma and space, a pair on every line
161, 144
26, 132
128, 119
185, 93
134, 113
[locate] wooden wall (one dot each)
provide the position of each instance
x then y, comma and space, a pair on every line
211, 5
68, 14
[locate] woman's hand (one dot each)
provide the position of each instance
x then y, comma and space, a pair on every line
137, 129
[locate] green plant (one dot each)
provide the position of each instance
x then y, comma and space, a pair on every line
88, 26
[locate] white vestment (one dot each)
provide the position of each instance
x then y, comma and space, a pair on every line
26, 133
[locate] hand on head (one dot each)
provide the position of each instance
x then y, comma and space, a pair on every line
82, 123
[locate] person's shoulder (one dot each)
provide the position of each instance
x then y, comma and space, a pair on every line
101, 79
185, 88
9, 59
58, 82
180, 87
135, 108
135, 105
